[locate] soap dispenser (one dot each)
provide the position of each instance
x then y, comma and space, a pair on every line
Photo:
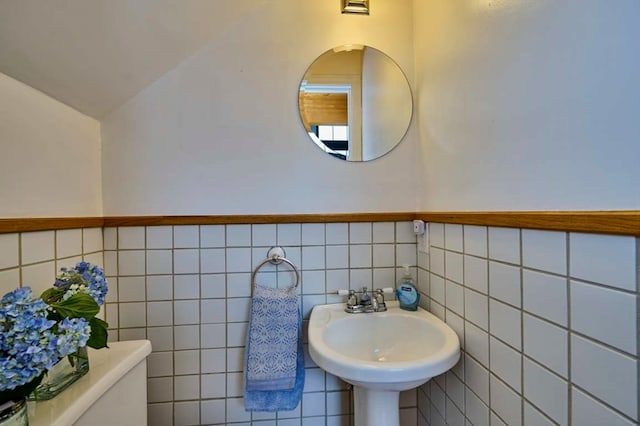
407, 294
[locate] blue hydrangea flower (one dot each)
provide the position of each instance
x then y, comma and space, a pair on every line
31, 344
84, 277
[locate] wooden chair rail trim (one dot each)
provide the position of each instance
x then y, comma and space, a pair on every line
620, 222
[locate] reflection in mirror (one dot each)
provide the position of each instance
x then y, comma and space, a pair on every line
355, 103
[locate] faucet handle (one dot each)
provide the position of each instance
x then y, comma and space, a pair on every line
352, 300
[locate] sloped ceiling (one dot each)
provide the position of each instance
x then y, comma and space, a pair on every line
94, 55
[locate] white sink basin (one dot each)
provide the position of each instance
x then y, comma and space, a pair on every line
381, 353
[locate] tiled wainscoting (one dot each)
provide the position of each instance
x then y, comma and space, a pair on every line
187, 289
548, 322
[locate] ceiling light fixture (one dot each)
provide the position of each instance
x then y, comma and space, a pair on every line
355, 6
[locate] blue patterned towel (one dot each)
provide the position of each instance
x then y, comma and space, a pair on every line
274, 360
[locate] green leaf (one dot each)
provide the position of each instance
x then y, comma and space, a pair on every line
80, 305
99, 334
52, 295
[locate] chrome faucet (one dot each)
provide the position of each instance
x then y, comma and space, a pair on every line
366, 303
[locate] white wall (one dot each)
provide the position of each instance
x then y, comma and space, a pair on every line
528, 105
49, 157
220, 134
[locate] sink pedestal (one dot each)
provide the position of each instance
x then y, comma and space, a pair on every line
376, 407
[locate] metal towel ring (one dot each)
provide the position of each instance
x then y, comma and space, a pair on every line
275, 256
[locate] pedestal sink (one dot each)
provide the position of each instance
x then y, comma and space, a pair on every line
381, 354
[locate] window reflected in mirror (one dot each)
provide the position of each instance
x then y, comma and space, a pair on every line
355, 103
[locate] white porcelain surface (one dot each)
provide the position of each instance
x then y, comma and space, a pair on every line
82, 402
393, 350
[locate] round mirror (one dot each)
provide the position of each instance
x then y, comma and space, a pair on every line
355, 103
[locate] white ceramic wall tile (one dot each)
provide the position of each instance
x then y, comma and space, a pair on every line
404, 232
213, 360
160, 389
159, 314
313, 257
547, 391
234, 384
436, 261
9, 251
453, 239
360, 233
437, 289
504, 283
236, 412
110, 238
9, 280
456, 322
159, 237
238, 235
186, 337
454, 416
545, 295
383, 255
587, 411
131, 262
186, 236
289, 234
506, 363
132, 314
213, 236
505, 323
186, 413
476, 343
238, 309
238, 260
436, 235
161, 338
360, 256
96, 258
212, 286
454, 296
547, 344
131, 237
605, 259
160, 364
313, 234
159, 287
235, 359
159, 262
533, 417
476, 410
186, 286
454, 266
544, 250
213, 386
591, 303
37, 246
236, 333
263, 235
213, 335
337, 257
476, 377
92, 240
213, 260
384, 232
506, 403
68, 243
406, 254
476, 274
476, 308
313, 282
608, 375
212, 411
455, 389
39, 277
337, 233
504, 244
131, 289
186, 261
213, 311
475, 240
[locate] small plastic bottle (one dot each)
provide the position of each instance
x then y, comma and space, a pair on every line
407, 294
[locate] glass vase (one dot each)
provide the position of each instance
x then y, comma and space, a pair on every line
14, 413
62, 375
